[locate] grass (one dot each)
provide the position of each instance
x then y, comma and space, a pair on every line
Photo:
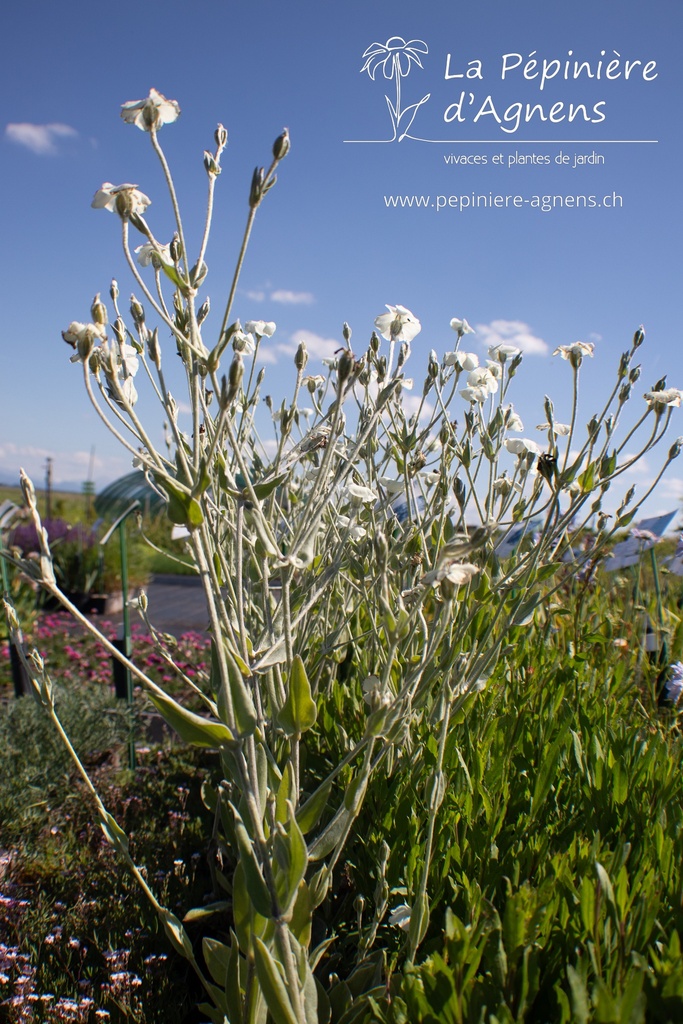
554, 894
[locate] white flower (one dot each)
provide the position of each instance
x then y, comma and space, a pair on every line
261, 328
559, 429
431, 478
475, 394
128, 391
400, 916
503, 485
521, 446
76, 331
464, 360
242, 342
459, 573
355, 532
495, 369
574, 353
156, 255
659, 400
503, 352
398, 324
482, 377
121, 357
407, 383
151, 113
461, 326
450, 569
391, 486
125, 200
512, 420
360, 495
374, 694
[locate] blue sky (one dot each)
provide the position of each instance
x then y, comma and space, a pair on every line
327, 248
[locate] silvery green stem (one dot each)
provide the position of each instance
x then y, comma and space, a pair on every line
575, 406
112, 429
143, 287
239, 583
174, 199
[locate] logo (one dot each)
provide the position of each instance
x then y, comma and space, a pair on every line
396, 58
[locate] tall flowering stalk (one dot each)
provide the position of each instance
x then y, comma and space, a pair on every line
398, 537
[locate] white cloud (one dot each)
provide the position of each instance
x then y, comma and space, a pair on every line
411, 404
41, 139
256, 296
511, 332
317, 346
291, 298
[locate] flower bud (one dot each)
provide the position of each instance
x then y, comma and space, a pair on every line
153, 348
374, 342
433, 366
403, 354
198, 273
459, 492
175, 248
301, 357
514, 365
171, 408
281, 146
381, 369
381, 548
211, 165
549, 409
136, 311
675, 449
221, 136
345, 365
639, 337
114, 289
231, 386
623, 364
98, 311
85, 345
634, 374
203, 311
119, 330
624, 393
256, 189
142, 601
346, 332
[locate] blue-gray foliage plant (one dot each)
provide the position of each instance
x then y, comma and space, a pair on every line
410, 533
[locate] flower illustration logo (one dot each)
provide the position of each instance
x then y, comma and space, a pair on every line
395, 58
